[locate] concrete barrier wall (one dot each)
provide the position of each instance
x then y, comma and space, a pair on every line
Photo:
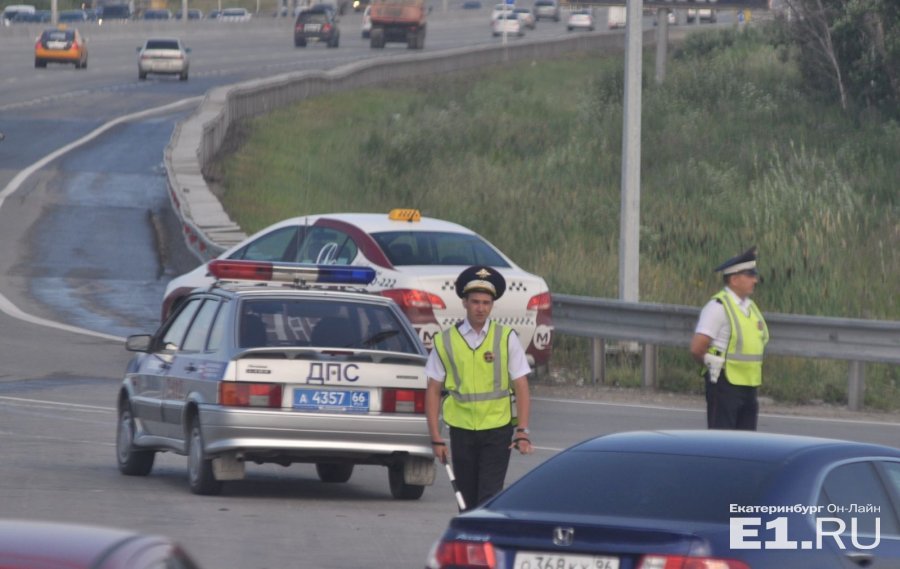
208, 230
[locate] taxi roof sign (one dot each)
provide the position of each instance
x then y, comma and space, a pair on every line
405, 214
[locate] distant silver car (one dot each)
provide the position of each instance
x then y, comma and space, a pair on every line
163, 56
247, 373
235, 15
580, 20
546, 10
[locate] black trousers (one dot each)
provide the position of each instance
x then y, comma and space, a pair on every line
480, 460
730, 406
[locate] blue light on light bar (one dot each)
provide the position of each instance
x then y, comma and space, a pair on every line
345, 275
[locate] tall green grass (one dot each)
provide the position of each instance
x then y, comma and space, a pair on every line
530, 156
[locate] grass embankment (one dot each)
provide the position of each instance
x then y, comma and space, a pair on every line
734, 154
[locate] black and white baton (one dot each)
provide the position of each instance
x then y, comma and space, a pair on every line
459, 497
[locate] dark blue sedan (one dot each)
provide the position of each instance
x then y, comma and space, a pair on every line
690, 500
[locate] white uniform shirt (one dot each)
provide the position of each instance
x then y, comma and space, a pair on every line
517, 363
713, 321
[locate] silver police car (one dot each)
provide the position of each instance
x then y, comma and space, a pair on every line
306, 371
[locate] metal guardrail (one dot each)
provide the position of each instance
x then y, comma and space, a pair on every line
854, 340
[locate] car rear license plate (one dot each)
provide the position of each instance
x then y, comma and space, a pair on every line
331, 400
56, 45
533, 560
312, 27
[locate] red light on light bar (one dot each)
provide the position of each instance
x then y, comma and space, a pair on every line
240, 270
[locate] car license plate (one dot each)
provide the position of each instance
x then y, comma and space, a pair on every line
533, 560
312, 27
343, 401
56, 45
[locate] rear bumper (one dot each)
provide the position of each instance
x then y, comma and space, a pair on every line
265, 435
162, 66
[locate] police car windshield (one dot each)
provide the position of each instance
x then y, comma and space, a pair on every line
437, 248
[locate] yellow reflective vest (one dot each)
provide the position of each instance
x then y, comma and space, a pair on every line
477, 381
747, 343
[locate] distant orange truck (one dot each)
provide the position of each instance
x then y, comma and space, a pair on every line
398, 21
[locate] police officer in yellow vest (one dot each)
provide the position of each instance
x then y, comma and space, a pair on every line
478, 364
729, 340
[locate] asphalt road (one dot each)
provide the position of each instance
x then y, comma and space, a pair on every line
88, 245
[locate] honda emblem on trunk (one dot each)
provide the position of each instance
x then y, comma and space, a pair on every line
563, 536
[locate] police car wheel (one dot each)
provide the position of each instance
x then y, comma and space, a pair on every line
200, 470
334, 472
400, 490
132, 462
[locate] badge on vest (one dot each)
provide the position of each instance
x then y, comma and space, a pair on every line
488, 357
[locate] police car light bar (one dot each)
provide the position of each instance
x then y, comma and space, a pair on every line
232, 270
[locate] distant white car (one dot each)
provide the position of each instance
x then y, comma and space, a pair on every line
166, 56
235, 15
508, 23
500, 9
580, 20
366, 22
526, 16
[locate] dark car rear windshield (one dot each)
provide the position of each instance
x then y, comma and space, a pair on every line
316, 17
638, 485
162, 44
437, 248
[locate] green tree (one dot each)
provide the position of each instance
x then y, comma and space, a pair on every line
849, 50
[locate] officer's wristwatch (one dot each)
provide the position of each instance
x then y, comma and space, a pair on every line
523, 430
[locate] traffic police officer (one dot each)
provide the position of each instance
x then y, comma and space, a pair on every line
478, 363
730, 340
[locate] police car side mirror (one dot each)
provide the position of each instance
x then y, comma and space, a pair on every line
138, 343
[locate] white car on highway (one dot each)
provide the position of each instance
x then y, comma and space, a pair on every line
508, 23
417, 260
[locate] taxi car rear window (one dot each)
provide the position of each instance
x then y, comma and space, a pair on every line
58, 35
437, 248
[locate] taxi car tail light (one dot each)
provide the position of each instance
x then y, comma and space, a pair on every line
407, 298
228, 269
462, 554
244, 394
326, 28
684, 562
541, 301
403, 401
299, 27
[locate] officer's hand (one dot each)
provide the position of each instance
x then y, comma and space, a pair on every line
441, 452
522, 444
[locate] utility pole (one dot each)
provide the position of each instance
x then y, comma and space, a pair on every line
630, 218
